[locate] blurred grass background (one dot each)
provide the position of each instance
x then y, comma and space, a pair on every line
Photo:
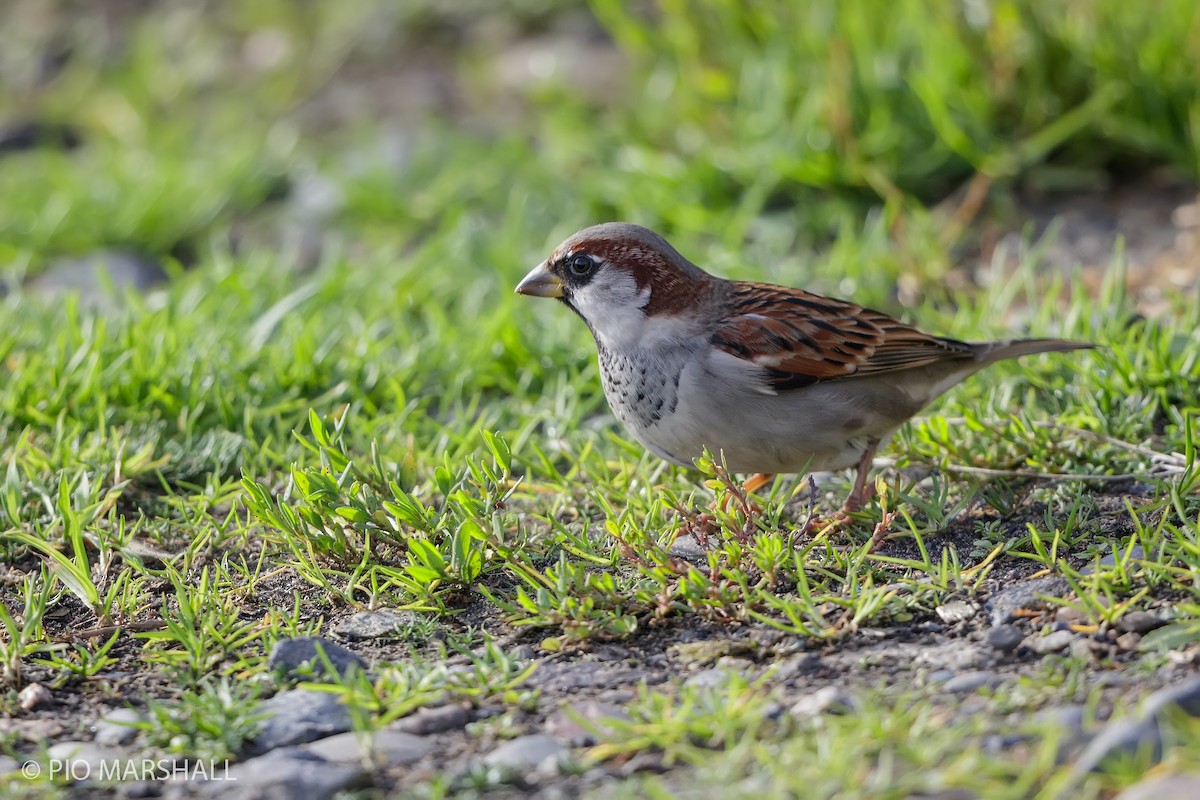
217, 121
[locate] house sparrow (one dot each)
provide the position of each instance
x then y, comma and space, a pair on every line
772, 379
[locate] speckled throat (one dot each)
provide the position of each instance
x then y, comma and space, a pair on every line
640, 391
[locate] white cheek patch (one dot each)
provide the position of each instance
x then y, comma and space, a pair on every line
612, 305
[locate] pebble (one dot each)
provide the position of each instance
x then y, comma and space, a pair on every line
285, 774
1139, 622
524, 652
938, 676
1027, 594
289, 655
1110, 560
536, 751
90, 274
1180, 786
1131, 735
115, 727
688, 548
707, 678
8, 764
570, 676
955, 611
434, 720
377, 624
386, 748
565, 726
1054, 642
826, 700
299, 716
93, 755
966, 682
33, 696
1005, 637
797, 665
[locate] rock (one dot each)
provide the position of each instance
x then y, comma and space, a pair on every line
1180, 786
33, 134
1142, 734
570, 676
90, 275
116, 727
954, 656
377, 624
938, 676
33, 696
434, 720
707, 651
524, 653
1139, 622
299, 716
955, 611
285, 774
1184, 696
82, 759
385, 748
36, 731
797, 665
1121, 737
290, 655
1054, 642
564, 724
536, 752
1027, 594
8, 764
1069, 717
688, 548
1004, 637
826, 700
1137, 552
707, 678
972, 682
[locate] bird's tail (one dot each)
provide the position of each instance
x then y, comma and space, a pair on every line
989, 352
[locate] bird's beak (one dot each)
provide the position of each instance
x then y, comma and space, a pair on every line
541, 282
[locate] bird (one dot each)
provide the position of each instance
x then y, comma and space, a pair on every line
775, 380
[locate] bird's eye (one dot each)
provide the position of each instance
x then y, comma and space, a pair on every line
580, 265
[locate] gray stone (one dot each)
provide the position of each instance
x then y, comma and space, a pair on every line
1070, 717
8, 764
688, 548
797, 665
88, 753
578, 724
299, 716
33, 696
536, 752
1184, 696
953, 656
116, 727
1027, 594
376, 624
1004, 637
569, 676
1110, 560
285, 774
433, 720
972, 682
523, 652
707, 678
1121, 738
955, 611
938, 676
1142, 734
1054, 642
1129, 641
1139, 622
91, 274
385, 748
289, 655
826, 700
1180, 786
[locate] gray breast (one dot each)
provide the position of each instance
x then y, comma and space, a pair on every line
640, 391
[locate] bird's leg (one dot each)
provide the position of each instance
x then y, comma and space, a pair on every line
861, 492
756, 482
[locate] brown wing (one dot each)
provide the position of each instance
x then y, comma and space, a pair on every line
800, 338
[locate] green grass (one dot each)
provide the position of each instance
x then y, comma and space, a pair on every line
262, 445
